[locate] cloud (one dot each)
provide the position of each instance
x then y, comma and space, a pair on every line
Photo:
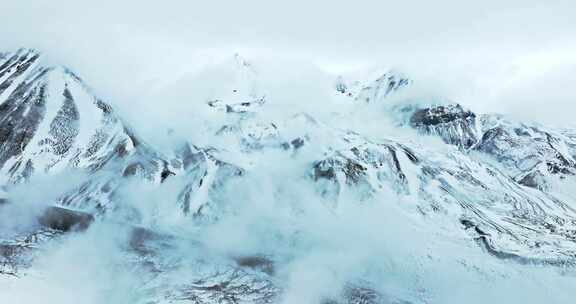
23, 207
159, 62
124, 48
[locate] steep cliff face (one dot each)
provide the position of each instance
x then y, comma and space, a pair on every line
454, 124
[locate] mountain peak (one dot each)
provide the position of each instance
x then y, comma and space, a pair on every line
259, 177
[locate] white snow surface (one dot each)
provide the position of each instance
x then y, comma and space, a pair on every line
338, 190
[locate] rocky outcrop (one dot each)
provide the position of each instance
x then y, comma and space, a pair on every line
530, 154
452, 123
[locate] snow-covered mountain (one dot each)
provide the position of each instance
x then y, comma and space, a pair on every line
187, 223
51, 120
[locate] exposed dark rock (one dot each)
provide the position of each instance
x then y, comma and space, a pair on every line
534, 179
356, 294
440, 115
65, 126
323, 172
452, 123
17, 65
65, 219
145, 241
297, 143
326, 169
133, 169
260, 263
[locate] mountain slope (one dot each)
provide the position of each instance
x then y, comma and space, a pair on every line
278, 200
50, 121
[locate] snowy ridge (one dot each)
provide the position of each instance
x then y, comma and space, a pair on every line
492, 184
51, 121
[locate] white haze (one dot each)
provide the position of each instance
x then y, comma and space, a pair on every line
31, 204
492, 55
158, 63
319, 247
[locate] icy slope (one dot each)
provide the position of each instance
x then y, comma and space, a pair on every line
366, 196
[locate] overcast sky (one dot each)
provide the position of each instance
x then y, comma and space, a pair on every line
485, 51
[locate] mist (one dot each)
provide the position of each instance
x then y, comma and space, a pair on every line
483, 55
318, 248
159, 64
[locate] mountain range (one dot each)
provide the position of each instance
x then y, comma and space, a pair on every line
240, 219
